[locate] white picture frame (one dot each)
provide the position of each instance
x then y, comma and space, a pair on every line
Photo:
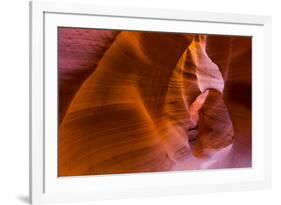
46, 187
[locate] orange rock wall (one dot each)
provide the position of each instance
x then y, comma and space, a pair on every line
132, 102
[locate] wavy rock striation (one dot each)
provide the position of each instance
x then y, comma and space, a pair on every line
135, 102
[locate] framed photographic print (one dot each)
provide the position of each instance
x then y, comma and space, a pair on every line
129, 102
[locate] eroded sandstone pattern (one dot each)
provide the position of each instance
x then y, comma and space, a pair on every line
132, 102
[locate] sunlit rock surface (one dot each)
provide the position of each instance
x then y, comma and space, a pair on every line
132, 102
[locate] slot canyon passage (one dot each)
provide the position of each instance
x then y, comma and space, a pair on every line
137, 101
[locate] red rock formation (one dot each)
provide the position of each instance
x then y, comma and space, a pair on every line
151, 101
79, 53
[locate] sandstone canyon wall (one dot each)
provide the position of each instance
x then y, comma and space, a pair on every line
132, 102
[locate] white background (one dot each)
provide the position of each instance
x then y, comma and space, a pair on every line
14, 93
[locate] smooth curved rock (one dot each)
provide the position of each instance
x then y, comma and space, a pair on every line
153, 101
